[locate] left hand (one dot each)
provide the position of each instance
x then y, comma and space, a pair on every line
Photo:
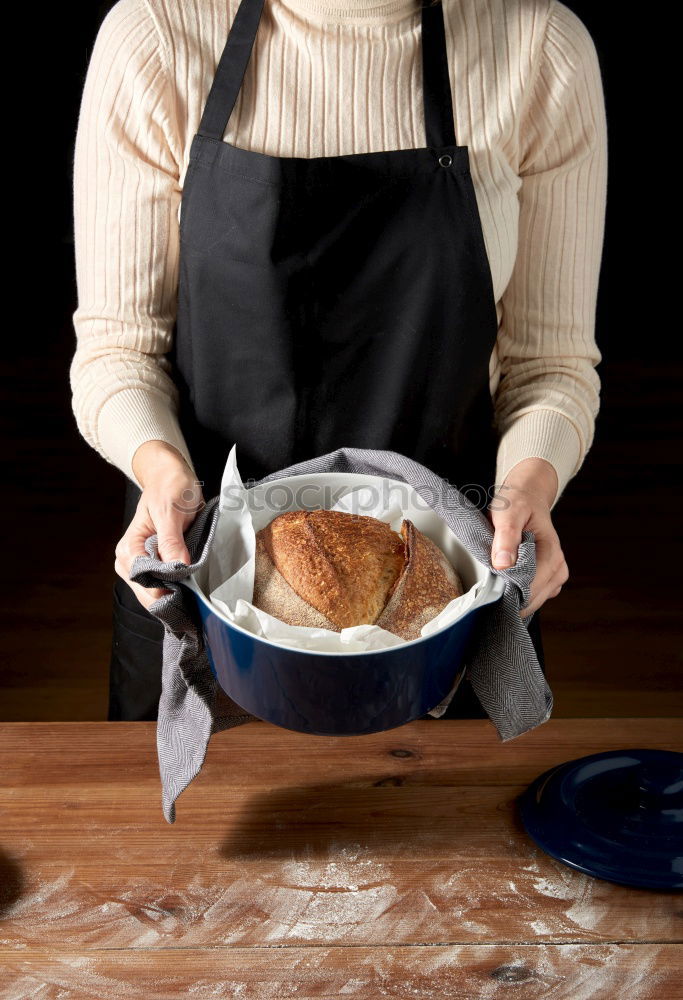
525, 498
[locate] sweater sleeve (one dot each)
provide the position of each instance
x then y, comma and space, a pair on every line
126, 197
548, 397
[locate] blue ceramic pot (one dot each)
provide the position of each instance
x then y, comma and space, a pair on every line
345, 693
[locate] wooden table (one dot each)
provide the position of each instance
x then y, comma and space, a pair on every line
392, 865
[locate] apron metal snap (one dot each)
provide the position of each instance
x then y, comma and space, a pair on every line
446, 160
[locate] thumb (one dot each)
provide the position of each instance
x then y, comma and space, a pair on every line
506, 539
171, 543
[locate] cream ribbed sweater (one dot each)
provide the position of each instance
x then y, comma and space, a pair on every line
332, 77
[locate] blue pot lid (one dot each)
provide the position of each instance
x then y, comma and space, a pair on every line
617, 816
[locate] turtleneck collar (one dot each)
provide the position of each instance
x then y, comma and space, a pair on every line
366, 11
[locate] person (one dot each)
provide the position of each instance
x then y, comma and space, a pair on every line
307, 224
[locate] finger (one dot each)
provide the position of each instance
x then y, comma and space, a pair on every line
507, 536
129, 548
551, 573
547, 592
546, 562
132, 544
170, 541
146, 595
551, 568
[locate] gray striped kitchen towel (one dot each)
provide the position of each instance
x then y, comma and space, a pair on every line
504, 671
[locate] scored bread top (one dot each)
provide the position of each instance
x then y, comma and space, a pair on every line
343, 564
427, 584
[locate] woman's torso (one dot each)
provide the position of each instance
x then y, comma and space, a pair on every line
333, 81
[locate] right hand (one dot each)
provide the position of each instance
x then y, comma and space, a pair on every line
170, 500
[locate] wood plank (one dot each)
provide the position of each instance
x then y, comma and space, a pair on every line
408, 836
533, 972
446, 751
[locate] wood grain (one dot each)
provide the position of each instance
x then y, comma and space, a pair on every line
465, 972
385, 865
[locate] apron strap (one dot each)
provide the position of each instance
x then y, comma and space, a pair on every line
231, 69
232, 66
438, 103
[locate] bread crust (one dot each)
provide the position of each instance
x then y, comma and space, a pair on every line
427, 584
343, 564
333, 569
273, 594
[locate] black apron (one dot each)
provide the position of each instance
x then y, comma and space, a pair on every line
324, 302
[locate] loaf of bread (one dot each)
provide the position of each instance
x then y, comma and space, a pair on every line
332, 569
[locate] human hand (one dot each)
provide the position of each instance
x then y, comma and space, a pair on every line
170, 500
523, 501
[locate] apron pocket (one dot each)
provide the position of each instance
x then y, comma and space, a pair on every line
145, 626
135, 664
